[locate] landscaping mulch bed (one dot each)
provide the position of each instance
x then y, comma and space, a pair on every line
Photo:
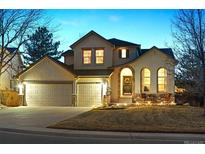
180, 119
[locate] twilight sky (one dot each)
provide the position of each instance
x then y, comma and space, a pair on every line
145, 27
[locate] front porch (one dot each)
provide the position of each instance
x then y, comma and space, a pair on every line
130, 86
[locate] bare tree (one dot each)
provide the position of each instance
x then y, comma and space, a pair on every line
15, 25
189, 34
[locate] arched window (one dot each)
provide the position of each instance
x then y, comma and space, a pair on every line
145, 76
162, 80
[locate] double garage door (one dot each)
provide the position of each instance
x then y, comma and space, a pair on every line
48, 94
44, 94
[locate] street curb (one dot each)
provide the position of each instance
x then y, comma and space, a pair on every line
67, 133
100, 134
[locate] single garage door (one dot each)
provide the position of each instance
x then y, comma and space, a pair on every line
48, 94
89, 94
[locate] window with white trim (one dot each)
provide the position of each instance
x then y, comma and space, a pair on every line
162, 80
145, 79
124, 53
99, 54
87, 54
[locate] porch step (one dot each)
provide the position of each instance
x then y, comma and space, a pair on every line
125, 100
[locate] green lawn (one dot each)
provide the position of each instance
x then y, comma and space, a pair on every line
139, 119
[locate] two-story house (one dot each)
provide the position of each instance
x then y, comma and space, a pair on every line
98, 70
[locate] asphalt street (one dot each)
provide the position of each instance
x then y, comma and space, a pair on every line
28, 138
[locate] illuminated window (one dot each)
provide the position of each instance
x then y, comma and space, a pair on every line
162, 80
99, 53
87, 56
145, 76
124, 53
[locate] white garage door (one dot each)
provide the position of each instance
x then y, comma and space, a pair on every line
89, 94
48, 94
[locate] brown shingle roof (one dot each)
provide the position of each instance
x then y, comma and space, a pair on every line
94, 72
121, 43
68, 52
70, 68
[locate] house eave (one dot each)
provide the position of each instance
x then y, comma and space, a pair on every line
94, 76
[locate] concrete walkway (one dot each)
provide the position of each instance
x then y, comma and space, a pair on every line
39, 117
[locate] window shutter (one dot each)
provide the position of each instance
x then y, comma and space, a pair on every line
120, 53
127, 53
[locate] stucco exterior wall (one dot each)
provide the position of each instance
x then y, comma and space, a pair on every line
115, 80
47, 70
133, 53
69, 59
153, 60
92, 41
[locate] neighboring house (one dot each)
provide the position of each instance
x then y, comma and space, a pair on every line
98, 70
13, 68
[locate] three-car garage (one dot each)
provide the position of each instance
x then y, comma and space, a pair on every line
50, 83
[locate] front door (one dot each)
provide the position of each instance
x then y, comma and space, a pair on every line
127, 85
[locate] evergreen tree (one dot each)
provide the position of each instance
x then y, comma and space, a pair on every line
40, 44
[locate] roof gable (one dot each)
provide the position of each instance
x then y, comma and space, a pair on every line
167, 51
87, 35
60, 64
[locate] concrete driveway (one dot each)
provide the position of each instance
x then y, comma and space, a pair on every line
37, 116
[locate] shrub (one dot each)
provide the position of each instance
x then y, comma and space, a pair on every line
190, 98
10, 98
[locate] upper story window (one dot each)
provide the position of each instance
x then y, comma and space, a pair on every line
162, 80
124, 53
99, 53
87, 54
